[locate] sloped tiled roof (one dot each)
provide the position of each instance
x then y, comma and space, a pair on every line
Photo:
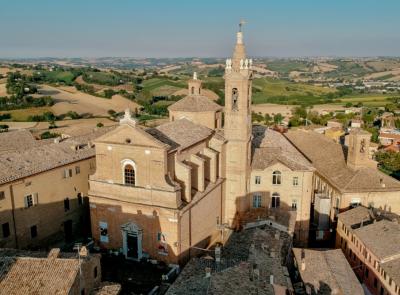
328, 158
328, 272
270, 147
382, 238
16, 140
180, 133
37, 159
392, 269
23, 275
355, 216
195, 103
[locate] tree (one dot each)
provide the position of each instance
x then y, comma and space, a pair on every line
397, 123
99, 125
300, 111
278, 118
294, 121
267, 119
256, 117
348, 105
48, 134
4, 128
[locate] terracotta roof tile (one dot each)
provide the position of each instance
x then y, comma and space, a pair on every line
270, 147
37, 159
328, 272
195, 103
180, 133
328, 158
22, 275
381, 237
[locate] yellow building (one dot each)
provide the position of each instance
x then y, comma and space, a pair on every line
43, 190
370, 240
344, 178
167, 192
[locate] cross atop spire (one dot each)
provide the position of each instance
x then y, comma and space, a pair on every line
241, 23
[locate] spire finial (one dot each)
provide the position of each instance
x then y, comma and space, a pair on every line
194, 76
241, 23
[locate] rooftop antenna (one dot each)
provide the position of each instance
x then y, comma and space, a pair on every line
241, 23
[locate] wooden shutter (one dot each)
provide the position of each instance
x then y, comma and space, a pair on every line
35, 199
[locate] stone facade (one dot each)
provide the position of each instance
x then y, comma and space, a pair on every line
48, 213
369, 239
190, 180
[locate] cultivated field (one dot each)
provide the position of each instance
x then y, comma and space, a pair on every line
3, 90
23, 114
273, 91
85, 103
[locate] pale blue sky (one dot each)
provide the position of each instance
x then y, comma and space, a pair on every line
185, 28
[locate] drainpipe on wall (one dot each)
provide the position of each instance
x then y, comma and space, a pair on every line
13, 215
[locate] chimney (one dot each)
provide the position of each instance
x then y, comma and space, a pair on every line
303, 260
208, 272
217, 254
84, 252
53, 254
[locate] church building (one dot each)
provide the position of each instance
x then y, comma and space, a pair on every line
167, 192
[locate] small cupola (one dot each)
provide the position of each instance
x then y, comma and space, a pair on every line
194, 85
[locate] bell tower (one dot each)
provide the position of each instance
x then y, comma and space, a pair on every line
237, 129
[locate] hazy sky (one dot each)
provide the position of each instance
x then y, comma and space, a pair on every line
175, 28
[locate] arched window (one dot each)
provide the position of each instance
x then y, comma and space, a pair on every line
276, 177
276, 200
235, 97
129, 175
192, 91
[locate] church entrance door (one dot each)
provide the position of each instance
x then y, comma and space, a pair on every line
132, 241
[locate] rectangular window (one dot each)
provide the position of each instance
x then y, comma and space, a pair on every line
275, 201
375, 283
2, 195
80, 200
67, 173
366, 272
6, 229
66, 204
258, 180
294, 204
31, 200
34, 231
256, 201
77, 169
295, 181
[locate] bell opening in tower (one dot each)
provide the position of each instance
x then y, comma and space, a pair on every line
235, 97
